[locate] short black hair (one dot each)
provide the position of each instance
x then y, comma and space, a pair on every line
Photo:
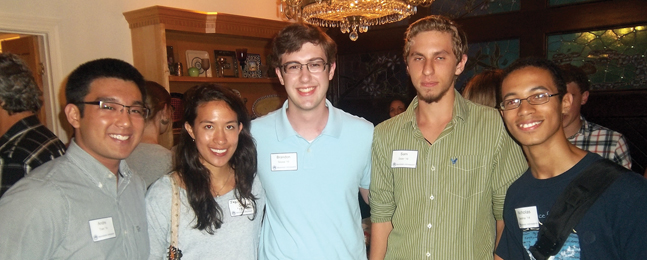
18, 89
78, 83
575, 74
548, 65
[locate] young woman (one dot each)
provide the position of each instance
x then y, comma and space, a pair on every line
221, 199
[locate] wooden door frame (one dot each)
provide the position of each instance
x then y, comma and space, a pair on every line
50, 52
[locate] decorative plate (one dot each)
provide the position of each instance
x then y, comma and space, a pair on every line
266, 104
194, 59
252, 66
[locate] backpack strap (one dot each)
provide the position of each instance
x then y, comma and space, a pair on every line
572, 204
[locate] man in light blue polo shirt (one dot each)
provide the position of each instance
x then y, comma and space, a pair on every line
312, 157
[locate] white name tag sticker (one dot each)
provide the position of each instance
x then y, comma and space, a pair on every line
236, 209
527, 217
283, 161
102, 229
404, 159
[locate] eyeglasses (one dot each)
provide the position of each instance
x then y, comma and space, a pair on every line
295, 67
536, 99
112, 108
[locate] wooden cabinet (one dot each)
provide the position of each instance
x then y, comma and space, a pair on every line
154, 28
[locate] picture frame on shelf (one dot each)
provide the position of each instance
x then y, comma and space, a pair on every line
252, 66
230, 66
195, 59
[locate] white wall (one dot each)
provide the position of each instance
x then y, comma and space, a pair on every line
91, 29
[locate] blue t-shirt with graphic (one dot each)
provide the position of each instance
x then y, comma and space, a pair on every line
615, 227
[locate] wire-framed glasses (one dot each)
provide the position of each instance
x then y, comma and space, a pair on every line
536, 99
114, 108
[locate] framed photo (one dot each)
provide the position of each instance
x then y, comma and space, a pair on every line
252, 66
227, 62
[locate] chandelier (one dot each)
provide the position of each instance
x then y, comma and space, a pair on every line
351, 16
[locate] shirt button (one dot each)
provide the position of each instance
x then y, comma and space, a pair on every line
431, 197
308, 149
428, 254
429, 225
433, 168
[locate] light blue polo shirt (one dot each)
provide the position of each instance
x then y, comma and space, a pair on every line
311, 187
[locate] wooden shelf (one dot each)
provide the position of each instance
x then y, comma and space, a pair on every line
154, 28
222, 80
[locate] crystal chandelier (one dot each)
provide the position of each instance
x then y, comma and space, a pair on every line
351, 16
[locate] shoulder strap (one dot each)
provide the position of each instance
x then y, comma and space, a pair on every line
174, 251
572, 204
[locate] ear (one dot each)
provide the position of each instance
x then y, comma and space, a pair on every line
461, 65
278, 73
73, 115
331, 70
189, 129
240, 127
567, 101
585, 97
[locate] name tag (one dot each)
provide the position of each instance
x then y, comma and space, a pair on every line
283, 161
527, 217
102, 229
404, 159
236, 209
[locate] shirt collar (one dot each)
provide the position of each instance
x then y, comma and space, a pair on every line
98, 173
284, 128
460, 111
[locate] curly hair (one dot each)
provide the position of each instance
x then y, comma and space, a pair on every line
441, 24
196, 176
18, 89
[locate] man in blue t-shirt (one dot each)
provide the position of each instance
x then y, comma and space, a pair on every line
614, 227
313, 158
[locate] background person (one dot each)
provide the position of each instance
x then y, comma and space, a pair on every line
587, 135
484, 88
396, 107
215, 168
149, 159
24, 142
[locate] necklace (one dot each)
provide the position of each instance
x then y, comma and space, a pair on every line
223, 185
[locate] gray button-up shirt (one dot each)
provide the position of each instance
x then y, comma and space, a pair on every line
74, 208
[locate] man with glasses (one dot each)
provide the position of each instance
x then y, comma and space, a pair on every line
614, 227
441, 168
312, 157
86, 204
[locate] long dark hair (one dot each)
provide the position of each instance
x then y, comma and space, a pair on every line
196, 176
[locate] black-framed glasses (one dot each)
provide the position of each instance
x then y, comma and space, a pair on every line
136, 111
536, 99
295, 67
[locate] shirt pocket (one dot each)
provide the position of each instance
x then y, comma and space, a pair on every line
465, 176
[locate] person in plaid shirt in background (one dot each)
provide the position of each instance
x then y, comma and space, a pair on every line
588, 135
24, 142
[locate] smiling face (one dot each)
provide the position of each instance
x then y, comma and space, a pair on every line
215, 130
432, 65
533, 125
306, 90
109, 137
